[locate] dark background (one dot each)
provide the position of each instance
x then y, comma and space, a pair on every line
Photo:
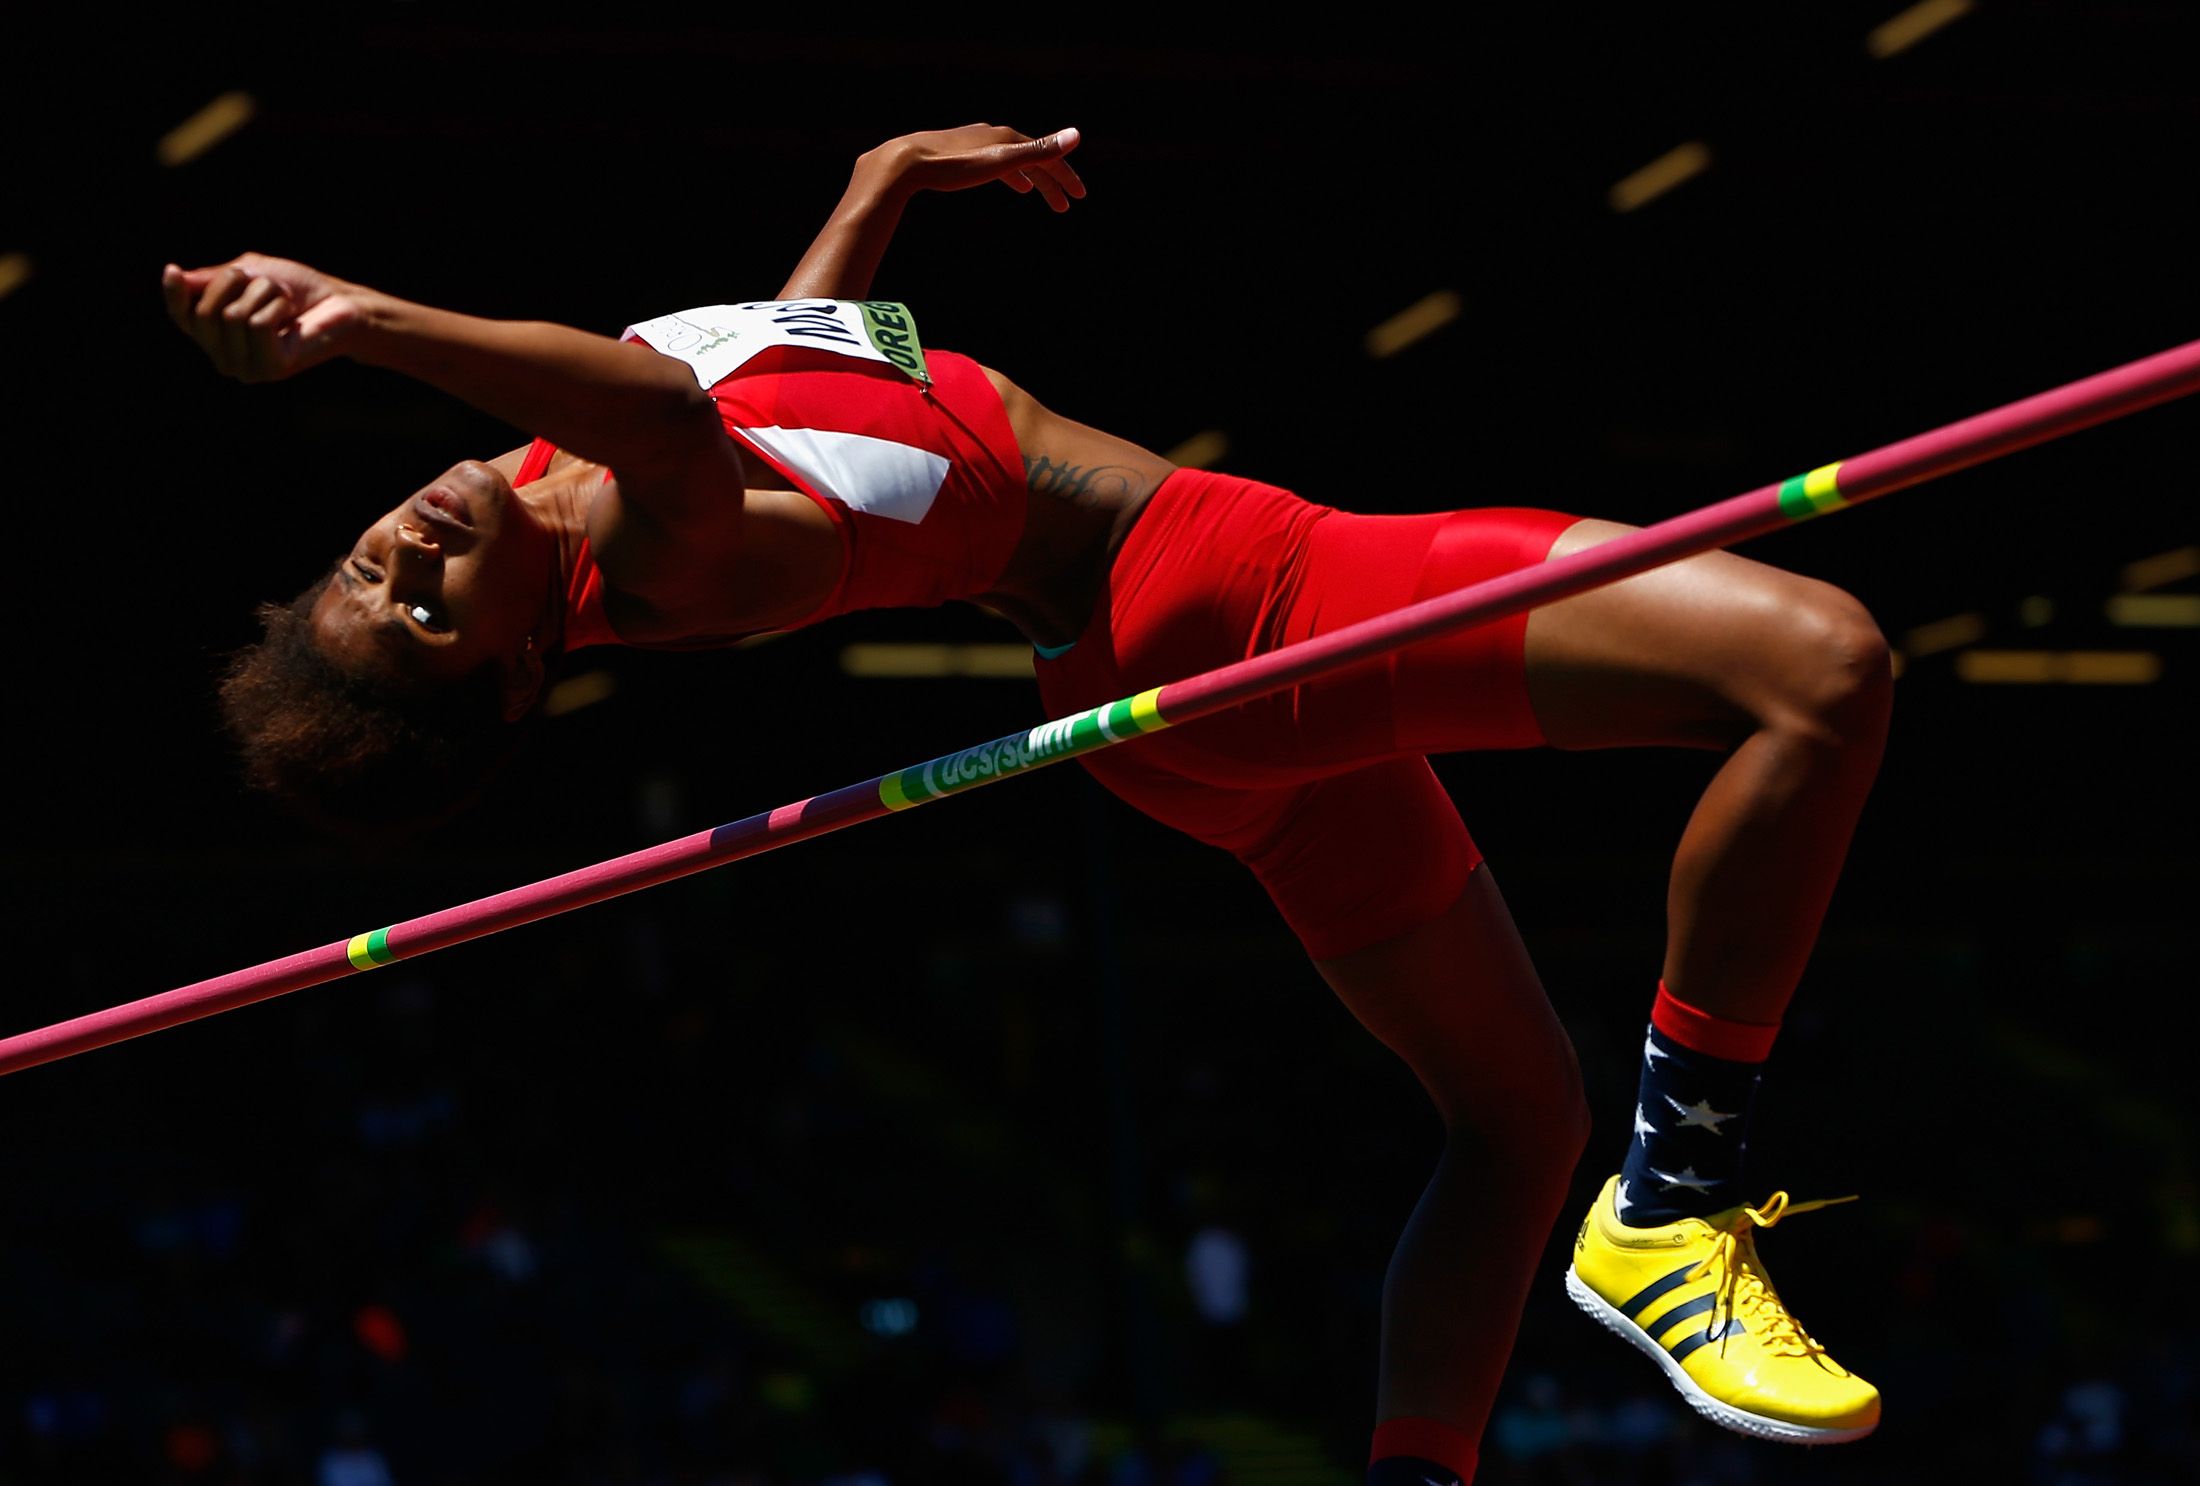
605, 1199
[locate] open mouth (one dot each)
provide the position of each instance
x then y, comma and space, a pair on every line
444, 508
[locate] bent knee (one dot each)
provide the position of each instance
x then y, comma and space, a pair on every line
1833, 675
1566, 1135
1535, 1120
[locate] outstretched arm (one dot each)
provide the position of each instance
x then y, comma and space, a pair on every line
845, 257
618, 403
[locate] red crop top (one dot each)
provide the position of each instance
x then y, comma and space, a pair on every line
925, 486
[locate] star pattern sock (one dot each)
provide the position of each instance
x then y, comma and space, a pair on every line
1691, 1138
1420, 1452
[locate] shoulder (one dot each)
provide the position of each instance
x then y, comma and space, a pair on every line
1013, 398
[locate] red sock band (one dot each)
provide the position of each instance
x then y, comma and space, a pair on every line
1425, 1439
1737, 1042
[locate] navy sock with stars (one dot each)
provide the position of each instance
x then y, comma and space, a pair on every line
1690, 1145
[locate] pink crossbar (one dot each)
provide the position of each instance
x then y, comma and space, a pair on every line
2050, 415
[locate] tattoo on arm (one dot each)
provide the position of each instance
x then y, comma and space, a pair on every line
1080, 482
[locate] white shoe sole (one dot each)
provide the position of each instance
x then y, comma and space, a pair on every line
1725, 1415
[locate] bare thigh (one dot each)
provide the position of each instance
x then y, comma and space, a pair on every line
1694, 654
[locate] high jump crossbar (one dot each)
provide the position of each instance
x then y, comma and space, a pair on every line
1832, 487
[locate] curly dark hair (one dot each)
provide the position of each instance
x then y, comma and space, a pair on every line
361, 755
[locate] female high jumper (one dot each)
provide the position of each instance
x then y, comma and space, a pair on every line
754, 467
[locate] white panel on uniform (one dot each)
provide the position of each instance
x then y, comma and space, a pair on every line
897, 481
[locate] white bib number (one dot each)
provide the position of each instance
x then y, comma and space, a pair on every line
718, 339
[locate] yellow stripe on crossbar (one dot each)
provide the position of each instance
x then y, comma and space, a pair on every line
356, 952
1822, 486
1146, 711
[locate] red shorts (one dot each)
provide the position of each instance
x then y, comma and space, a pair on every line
1324, 790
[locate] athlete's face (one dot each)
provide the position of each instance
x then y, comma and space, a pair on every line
457, 576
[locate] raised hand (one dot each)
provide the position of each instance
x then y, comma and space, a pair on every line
260, 319
957, 159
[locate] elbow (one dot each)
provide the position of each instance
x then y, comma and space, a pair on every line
682, 395
681, 423
688, 395
691, 406
677, 400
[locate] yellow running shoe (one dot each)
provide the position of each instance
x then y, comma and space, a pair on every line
1695, 1298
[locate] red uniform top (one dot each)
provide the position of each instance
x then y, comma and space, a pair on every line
924, 485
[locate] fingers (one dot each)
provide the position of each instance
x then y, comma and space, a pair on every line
242, 321
1049, 187
257, 292
175, 292
196, 298
227, 341
957, 159
1053, 176
277, 311
1027, 165
223, 285
240, 334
